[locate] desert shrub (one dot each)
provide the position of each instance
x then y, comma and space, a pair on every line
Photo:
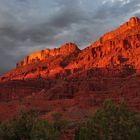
43, 130
25, 123
111, 122
19, 128
64, 63
68, 71
58, 123
7, 131
28, 126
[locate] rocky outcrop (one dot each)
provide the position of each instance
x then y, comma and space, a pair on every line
64, 50
133, 22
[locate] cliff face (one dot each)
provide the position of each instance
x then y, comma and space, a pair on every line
109, 39
64, 50
71, 80
132, 23
119, 48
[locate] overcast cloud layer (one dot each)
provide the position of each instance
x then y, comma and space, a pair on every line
30, 25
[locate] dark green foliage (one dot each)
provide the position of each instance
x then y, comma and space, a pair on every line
58, 123
68, 71
111, 123
29, 127
64, 63
18, 128
7, 131
43, 130
25, 123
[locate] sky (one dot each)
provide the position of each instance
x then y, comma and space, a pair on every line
31, 25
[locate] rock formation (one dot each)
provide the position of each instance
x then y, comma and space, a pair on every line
76, 81
64, 50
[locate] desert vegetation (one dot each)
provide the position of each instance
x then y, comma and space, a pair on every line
111, 122
28, 126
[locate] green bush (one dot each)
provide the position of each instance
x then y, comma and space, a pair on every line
29, 127
111, 122
19, 128
43, 130
7, 131
58, 123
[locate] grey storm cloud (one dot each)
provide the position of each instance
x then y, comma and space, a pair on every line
31, 25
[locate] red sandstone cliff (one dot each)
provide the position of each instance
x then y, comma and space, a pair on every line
119, 48
76, 81
65, 50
